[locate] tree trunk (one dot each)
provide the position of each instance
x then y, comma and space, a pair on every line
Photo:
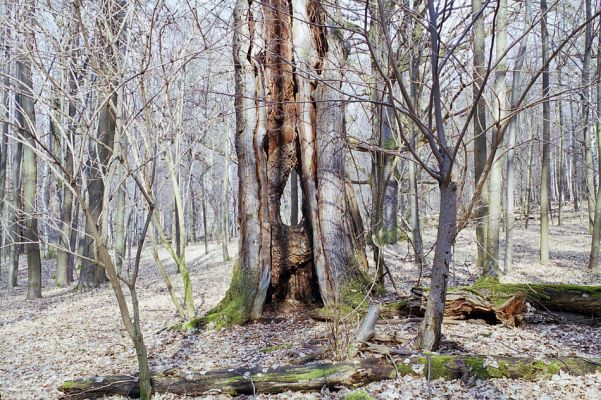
495, 179
585, 96
428, 337
381, 184
596, 236
26, 122
413, 167
13, 214
511, 143
315, 377
429, 331
64, 255
100, 148
4, 141
204, 218
546, 157
225, 202
480, 143
287, 119
121, 208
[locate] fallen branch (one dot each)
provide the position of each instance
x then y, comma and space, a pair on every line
333, 375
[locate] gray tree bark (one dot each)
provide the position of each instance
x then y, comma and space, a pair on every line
64, 260
586, 97
480, 143
511, 143
26, 122
596, 235
495, 183
546, 136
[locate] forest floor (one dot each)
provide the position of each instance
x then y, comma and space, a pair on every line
70, 334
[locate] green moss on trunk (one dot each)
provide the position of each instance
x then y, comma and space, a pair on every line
235, 308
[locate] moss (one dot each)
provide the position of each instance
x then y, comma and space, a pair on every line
358, 395
310, 373
232, 310
438, 366
270, 349
554, 367
235, 308
335, 311
405, 369
533, 290
482, 371
81, 384
313, 374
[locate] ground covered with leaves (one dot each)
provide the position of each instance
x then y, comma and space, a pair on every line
71, 334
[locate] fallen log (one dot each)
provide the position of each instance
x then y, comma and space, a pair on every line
496, 302
460, 304
577, 299
332, 375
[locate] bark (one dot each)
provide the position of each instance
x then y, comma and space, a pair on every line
180, 253
429, 331
560, 159
585, 96
480, 145
384, 192
64, 257
120, 209
511, 143
533, 140
584, 300
596, 234
414, 169
13, 215
26, 122
294, 198
225, 203
315, 377
288, 118
204, 218
465, 304
4, 141
546, 136
100, 148
495, 184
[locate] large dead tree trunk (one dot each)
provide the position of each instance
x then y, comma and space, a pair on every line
289, 116
317, 376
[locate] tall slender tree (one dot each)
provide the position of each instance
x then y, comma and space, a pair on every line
512, 141
546, 139
480, 142
27, 127
495, 185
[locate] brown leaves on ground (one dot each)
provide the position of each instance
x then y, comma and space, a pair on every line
70, 334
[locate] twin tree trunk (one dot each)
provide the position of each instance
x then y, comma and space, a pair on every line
290, 116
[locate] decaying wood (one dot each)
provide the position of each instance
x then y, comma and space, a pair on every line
577, 299
459, 305
332, 375
495, 303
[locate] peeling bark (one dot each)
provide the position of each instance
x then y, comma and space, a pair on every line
288, 119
